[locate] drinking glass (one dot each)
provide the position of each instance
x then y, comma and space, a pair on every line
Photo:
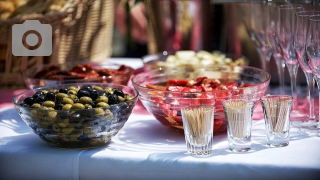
276, 110
312, 49
238, 113
272, 14
299, 45
285, 39
198, 129
255, 21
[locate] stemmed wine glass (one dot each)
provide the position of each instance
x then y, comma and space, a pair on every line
256, 25
312, 49
272, 14
285, 37
299, 45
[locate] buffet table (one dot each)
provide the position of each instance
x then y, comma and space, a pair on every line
145, 149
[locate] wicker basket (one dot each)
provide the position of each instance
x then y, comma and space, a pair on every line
89, 36
82, 30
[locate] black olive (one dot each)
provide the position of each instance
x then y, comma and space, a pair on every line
118, 92
94, 94
103, 93
39, 99
40, 93
82, 93
28, 100
87, 87
93, 104
36, 95
58, 106
50, 96
64, 90
113, 99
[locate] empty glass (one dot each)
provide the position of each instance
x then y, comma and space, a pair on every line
198, 129
313, 55
238, 113
276, 110
299, 45
256, 23
285, 38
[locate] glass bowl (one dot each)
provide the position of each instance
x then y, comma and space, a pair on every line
76, 72
165, 105
83, 126
191, 59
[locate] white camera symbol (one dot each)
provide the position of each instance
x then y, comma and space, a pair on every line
31, 39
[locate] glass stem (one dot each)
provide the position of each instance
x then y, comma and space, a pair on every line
281, 69
318, 83
293, 69
311, 82
265, 55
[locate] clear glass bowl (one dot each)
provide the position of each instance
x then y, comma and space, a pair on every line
33, 82
165, 105
78, 128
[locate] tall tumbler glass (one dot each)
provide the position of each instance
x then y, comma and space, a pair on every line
285, 35
299, 45
313, 55
198, 129
276, 110
238, 114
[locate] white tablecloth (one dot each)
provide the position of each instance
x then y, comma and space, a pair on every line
145, 149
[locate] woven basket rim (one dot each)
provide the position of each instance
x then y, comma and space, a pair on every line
67, 9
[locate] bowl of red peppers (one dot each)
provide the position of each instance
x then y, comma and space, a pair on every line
165, 91
77, 72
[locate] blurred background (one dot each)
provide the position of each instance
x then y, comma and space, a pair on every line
173, 25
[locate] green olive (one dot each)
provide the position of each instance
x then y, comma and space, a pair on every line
87, 129
66, 107
127, 97
98, 88
87, 106
49, 104
121, 99
74, 98
55, 127
99, 112
67, 130
55, 91
63, 123
108, 90
74, 92
78, 106
52, 114
67, 100
85, 100
60, 96
73, 88
103, 104
102, 99
35, 105
91, 134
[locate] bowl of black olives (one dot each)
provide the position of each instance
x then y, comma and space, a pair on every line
76, 115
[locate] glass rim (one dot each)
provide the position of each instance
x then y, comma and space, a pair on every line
290, 6
271, 97
314, 18
306, 13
